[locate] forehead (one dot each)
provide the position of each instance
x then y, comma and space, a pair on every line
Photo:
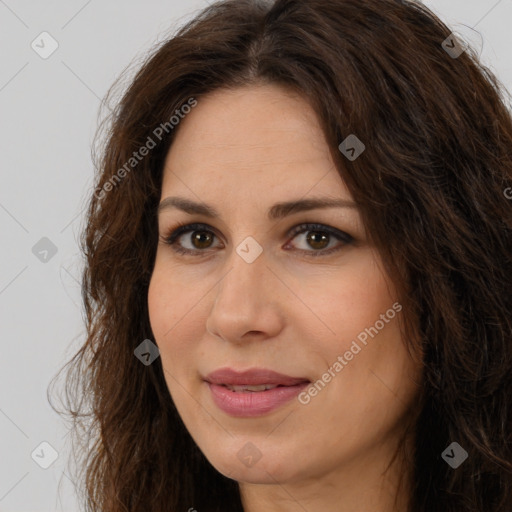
249, 139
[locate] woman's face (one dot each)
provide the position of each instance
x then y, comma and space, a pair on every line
257, 292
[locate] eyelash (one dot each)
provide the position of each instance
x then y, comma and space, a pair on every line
182, 228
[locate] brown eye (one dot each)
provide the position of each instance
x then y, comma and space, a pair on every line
318, 238
201, 239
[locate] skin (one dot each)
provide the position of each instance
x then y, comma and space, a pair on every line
242, 151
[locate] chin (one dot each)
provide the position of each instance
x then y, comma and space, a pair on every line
258, 474
237, 464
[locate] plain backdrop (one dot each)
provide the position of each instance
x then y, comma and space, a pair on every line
49, 113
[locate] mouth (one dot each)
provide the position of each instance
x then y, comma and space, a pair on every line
252, 379
252, 389
252, 392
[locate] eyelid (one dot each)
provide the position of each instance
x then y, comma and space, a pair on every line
304, 227
182, 228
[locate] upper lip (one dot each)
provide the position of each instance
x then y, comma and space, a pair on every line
252, 377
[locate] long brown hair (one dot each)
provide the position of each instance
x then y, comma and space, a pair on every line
430, 185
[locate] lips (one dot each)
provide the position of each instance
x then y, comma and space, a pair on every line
255, 377
252, 392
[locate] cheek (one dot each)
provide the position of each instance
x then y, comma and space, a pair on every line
157, 301
165, 310
168, 302
170, 315
356, 298
365, 314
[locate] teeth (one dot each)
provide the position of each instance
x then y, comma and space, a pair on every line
262, 387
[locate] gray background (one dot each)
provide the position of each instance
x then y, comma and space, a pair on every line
49, 113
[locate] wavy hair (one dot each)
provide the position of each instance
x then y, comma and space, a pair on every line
431, 187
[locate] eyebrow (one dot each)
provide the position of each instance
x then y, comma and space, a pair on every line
277, 211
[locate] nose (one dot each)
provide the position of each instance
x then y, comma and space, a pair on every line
248, 302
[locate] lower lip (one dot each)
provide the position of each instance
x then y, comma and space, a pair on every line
253, 403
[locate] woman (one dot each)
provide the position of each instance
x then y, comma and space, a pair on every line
336, 334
